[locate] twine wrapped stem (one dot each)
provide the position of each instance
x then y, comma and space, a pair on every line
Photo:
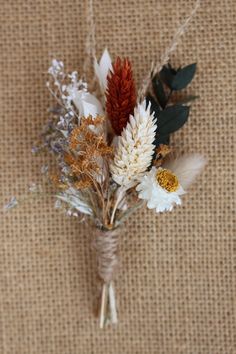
106, 246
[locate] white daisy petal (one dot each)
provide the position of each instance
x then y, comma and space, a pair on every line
156, 195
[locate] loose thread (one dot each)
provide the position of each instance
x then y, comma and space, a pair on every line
112, 302
166, 55
90, 43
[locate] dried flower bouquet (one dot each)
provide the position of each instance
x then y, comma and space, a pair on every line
111, 144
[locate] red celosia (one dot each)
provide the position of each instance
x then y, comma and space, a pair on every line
120, 95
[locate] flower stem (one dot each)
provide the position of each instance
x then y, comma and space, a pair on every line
108, 311
118, 200
103, 305
112, 303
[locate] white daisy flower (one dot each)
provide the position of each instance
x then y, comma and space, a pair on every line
161, 188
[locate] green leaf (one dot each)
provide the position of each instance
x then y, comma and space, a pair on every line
167, 75
154, 105
171, 119
183, 77
159, 91
162, 139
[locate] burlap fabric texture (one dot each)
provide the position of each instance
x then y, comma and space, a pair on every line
176, 290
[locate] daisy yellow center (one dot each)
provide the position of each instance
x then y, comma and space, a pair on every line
167, 180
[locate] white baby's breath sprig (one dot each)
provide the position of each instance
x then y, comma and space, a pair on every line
135, 147
12, 203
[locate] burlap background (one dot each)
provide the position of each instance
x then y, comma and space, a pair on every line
177, 288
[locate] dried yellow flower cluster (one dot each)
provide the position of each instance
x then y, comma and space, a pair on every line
87, 148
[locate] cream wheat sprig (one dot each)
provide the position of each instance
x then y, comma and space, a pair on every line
135, 147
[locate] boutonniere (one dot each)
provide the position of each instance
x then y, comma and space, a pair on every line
111, 144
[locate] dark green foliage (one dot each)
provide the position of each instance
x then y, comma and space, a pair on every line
170, 118
167, 75
183, 77
177, 79
165, 139
154, 105
159, 92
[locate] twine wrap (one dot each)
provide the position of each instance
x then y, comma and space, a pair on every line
106, 246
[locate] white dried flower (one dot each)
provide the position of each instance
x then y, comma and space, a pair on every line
70, 212
56, 68
57, 204
44, 169
34, 188
74, 198
87, 104
135, 147
186, 167
102, 69
161, 189
11, 204
35, 150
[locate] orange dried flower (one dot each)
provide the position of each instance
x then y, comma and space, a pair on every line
55, 179
86, 149
83, 136
83, 183
121, 95
161, 152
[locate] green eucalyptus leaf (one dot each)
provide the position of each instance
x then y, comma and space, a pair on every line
183, 77
159, 92
171, 119
154, 105
162, 139
167, 75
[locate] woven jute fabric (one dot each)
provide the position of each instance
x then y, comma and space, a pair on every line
176, 284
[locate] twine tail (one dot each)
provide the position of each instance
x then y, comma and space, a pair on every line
166, 55
90, 42
103, 309
108, 312
112, 303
